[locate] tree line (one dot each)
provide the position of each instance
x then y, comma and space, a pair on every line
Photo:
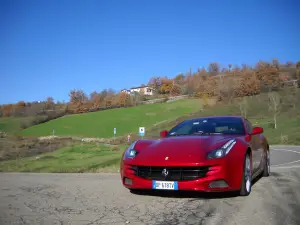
214, 81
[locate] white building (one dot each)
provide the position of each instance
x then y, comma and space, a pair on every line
146, 90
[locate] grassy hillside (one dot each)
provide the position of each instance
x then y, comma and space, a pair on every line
12, 124
126, 120
105, 158
259, 111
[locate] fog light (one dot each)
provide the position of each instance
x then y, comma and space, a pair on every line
128, 181
218, 184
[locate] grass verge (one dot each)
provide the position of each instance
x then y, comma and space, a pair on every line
77, 158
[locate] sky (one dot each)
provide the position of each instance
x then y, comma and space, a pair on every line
48, 48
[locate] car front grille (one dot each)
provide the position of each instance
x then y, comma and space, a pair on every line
173, 173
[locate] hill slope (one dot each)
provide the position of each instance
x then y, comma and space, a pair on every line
12, 124
126, 120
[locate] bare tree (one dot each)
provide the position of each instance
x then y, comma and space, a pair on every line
274, 105
243, 105
213, 67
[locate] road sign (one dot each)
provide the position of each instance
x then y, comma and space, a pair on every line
115, 131
142, 131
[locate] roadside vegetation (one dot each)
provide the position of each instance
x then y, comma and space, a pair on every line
77, 158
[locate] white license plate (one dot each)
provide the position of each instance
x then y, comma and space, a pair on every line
165, 185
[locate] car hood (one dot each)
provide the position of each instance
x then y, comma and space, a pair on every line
179, 150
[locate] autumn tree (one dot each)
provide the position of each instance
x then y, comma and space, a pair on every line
50, 103
77, 96
268, 75
19, 109
179, 79
248, 85
190, 84
175, 90
95, 99
155, 83
207, 87
21, 104
166, 86
108, 100
224, 87
136, 98
77, 101
124, 99
7, 110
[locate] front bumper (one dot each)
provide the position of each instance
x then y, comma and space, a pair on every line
219, 178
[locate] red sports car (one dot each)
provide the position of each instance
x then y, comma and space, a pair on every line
209, 154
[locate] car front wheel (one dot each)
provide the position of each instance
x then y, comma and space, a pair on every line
247, 177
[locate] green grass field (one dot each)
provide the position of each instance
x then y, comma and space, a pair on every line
126, 120
12, 124
77, 158
101, 158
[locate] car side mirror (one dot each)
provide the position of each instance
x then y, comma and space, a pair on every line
163, 133
257, 130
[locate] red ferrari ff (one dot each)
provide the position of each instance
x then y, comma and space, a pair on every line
209, 154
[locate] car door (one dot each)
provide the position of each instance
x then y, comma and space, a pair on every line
255, 146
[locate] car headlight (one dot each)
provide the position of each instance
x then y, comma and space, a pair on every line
223, 151
130, 151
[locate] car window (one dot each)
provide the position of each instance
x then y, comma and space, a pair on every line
222, 125
248, 126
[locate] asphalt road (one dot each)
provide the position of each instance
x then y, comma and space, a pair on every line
100, 199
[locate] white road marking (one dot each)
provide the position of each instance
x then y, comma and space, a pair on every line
285, 167
282, 164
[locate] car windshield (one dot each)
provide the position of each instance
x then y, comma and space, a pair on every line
209, 126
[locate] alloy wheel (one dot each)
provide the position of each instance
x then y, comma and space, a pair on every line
248, 173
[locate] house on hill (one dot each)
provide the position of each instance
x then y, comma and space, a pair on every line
146, 90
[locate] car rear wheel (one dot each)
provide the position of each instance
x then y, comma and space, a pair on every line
266, 171
247, 177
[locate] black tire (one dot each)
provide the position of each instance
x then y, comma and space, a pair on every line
266, 171
246, 177
136, 191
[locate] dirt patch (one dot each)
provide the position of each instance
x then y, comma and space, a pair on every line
12, 147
